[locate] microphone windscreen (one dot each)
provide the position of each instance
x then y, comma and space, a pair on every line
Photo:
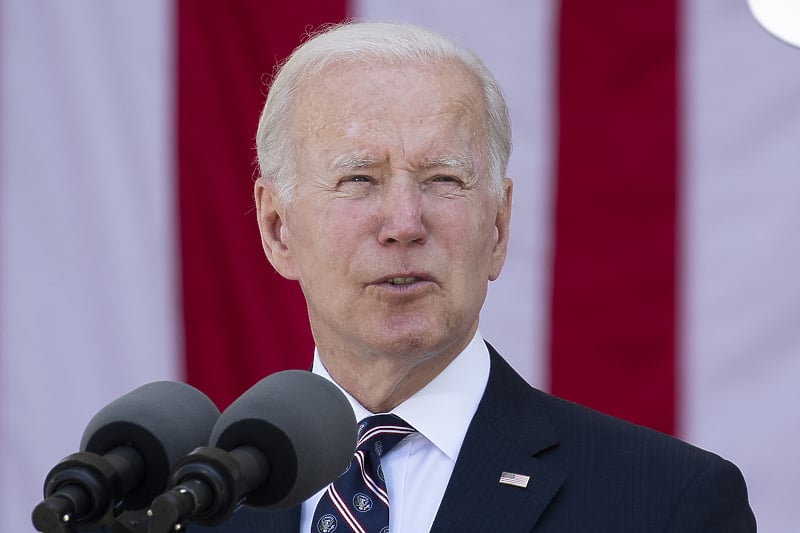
163, 421
305, 427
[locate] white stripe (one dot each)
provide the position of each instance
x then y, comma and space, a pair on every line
371, 483
515, 40
392, 430
344, 510
87, 307
741, 317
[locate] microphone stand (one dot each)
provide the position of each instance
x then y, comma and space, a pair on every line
82, 493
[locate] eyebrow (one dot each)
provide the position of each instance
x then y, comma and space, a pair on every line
454, 161
348, 162
352, 162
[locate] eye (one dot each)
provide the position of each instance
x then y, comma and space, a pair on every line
345, 181
355, 184
447, 179
358, 178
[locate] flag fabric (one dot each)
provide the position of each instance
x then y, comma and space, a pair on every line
654, 258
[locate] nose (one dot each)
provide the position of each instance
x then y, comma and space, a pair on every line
401, 214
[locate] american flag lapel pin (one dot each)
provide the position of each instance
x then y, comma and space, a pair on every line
516, 480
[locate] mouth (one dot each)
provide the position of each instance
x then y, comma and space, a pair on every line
400, 281
404, 281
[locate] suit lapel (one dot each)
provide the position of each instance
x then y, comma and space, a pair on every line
509, 428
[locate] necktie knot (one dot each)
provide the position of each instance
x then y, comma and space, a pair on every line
380, 433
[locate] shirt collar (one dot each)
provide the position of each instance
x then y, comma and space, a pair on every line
454, 395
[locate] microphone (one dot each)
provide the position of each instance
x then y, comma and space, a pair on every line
284, 439
127, 450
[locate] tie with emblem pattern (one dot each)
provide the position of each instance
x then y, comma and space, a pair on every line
357, 501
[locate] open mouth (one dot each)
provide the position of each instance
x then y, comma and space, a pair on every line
402, 281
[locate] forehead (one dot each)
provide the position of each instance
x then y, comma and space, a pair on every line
429, 105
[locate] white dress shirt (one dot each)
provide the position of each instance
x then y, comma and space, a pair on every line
418, 468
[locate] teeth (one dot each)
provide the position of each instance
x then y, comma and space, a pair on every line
401, 281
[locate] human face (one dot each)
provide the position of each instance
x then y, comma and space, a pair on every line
393, 230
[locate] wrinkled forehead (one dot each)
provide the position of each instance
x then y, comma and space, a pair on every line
436, 105
344, 88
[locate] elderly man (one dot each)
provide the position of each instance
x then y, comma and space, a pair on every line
383, 151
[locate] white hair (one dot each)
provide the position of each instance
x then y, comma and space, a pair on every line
369, 41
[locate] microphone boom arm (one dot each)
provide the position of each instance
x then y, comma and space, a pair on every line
84, 489
208, 485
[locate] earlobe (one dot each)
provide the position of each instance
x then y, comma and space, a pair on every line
270, 212
502, 226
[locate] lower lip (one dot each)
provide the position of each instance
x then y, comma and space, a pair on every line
405, 289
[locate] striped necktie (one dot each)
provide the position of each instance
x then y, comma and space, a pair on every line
357, 501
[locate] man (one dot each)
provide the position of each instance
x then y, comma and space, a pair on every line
383, 152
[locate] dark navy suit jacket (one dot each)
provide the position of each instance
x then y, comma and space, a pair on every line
588, 473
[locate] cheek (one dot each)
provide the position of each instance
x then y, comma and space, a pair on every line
470, 230
329, 241
480, 252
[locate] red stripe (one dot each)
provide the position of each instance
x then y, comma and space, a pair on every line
614, 267
360, 457
241, 320
384, 430
344, 510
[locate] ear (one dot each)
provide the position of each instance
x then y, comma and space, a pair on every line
502, 223
271, 214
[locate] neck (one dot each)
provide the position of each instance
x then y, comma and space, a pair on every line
381, 383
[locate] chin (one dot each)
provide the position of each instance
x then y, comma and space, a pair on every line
413, 344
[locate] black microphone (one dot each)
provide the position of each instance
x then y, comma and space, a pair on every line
127, 451
284, 439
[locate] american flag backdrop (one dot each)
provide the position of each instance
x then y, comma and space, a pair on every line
654, 266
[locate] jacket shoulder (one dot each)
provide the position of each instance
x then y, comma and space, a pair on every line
617, 472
